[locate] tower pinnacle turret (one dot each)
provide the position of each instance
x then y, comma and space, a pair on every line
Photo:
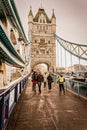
30, 12
53, 14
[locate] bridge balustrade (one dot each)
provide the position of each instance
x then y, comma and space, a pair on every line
78, 87
9, 98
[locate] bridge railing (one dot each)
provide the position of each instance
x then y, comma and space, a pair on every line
78, 87
9, 98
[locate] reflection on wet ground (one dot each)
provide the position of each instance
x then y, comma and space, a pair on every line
48, 111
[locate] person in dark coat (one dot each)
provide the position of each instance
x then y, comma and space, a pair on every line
34, 81
39, 81
50, 80
45, 79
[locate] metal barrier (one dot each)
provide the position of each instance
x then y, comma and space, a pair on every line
9, 98
80, 88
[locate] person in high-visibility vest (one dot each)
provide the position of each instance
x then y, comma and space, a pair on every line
61, 81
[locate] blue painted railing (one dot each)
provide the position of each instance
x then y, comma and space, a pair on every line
9, 98
78, 87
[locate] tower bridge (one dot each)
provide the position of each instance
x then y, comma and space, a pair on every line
18, 56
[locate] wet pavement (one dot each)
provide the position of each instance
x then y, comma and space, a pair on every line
48, 111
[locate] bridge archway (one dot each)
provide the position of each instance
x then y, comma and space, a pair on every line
42, 66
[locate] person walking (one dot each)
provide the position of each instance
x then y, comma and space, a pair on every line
61, 81
39, 81
50, 80
54, 79
34, 81
45, 79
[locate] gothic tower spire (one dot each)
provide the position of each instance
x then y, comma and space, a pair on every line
30, 12
53, 18
53, 14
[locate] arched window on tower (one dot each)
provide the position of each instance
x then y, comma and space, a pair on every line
46, 27
40, 20
42, 40
47, 52
37, 52
43, 21
49, 42
40, 27
35, 41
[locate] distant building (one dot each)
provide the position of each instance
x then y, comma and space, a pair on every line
77, 68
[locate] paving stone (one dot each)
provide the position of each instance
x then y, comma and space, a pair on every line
48, 111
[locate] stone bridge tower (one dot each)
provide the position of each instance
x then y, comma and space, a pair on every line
43, 43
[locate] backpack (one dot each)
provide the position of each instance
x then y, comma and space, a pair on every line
61, 79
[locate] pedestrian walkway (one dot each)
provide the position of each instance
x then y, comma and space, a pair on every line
48, 111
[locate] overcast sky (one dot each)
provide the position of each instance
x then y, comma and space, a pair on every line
71, 16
